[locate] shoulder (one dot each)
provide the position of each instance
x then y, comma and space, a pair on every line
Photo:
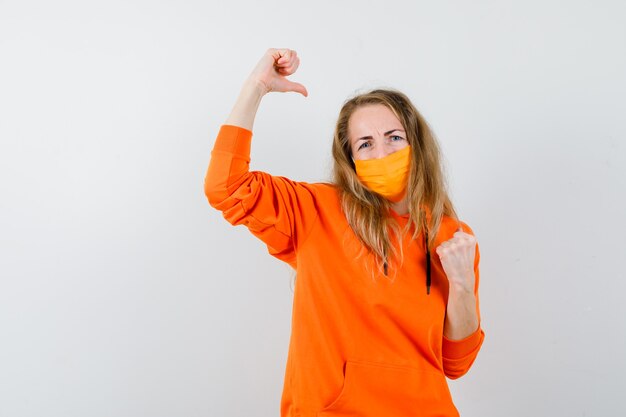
327, 197
449, 226
326, 193
322, 189
321, 192
325, 188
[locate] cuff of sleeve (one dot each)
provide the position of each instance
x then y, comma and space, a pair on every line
233, 139
457, 349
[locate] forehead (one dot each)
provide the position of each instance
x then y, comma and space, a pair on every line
371, 119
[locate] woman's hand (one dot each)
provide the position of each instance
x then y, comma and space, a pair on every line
268, 75
457, 258
272, 70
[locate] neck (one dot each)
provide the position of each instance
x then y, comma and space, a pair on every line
401, 207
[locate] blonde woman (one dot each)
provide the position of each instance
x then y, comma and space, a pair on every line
386, 296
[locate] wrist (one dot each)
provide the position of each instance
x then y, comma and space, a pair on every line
255, 87
464, 283
460, 290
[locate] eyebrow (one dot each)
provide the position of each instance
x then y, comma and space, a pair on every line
386, 133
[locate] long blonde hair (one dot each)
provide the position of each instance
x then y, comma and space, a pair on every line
368, 212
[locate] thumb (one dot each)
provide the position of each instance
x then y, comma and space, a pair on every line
298, 88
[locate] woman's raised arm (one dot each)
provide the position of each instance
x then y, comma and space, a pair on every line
276, 209
269, 75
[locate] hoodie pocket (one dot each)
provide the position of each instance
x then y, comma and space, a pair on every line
379, 389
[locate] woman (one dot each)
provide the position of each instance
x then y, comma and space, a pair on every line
379, 318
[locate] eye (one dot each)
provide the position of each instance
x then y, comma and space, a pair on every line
396, 136
362, 145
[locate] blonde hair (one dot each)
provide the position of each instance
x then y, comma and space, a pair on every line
368, 212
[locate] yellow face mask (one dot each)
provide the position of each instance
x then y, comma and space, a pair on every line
386, 176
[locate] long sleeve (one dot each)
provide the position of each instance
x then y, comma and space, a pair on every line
277, 210
459, 355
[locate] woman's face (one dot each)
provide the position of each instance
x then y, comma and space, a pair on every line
375, 132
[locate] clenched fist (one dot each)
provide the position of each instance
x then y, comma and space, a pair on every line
457, 258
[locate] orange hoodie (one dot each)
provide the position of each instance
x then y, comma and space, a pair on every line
359, 347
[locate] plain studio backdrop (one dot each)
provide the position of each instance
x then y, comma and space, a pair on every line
123, 293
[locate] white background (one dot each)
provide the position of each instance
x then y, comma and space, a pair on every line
123, 293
